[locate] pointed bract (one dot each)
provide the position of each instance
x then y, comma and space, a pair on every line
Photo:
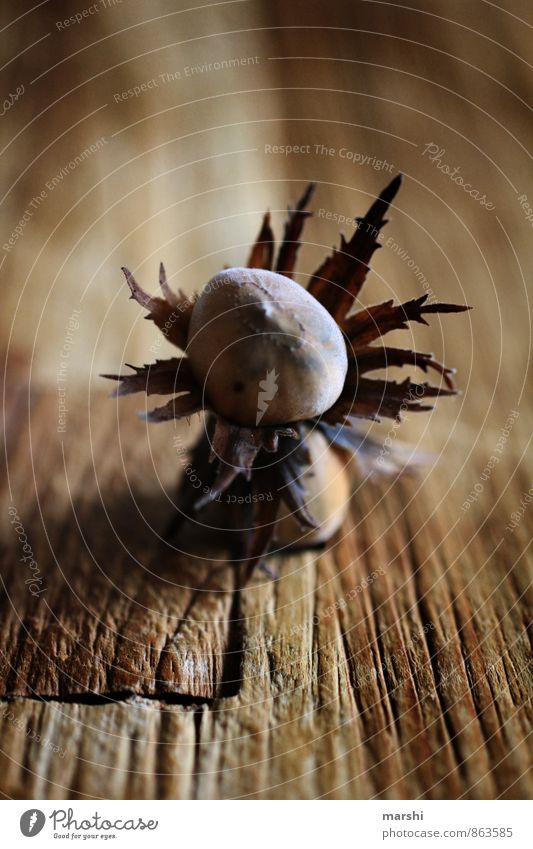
372, 322
164, 377
364, 398
290, 246
177, 408
372, 358
340, 278
171, 316
262, 253
236, 448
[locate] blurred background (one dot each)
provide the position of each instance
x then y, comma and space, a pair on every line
135, 132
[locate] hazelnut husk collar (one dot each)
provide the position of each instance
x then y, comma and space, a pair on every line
253, 458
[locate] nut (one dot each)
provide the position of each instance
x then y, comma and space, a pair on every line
326, 482
251, 323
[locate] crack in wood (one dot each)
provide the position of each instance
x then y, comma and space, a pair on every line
125, 696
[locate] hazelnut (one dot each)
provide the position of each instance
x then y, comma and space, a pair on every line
327, 490
254, 332
267, 358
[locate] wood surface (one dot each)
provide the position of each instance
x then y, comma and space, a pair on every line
394, 664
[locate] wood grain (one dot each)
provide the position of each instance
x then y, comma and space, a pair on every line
395, 664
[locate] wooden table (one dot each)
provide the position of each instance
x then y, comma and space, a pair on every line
394, 664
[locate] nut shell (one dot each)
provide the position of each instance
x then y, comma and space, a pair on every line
327, 494
265, 351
